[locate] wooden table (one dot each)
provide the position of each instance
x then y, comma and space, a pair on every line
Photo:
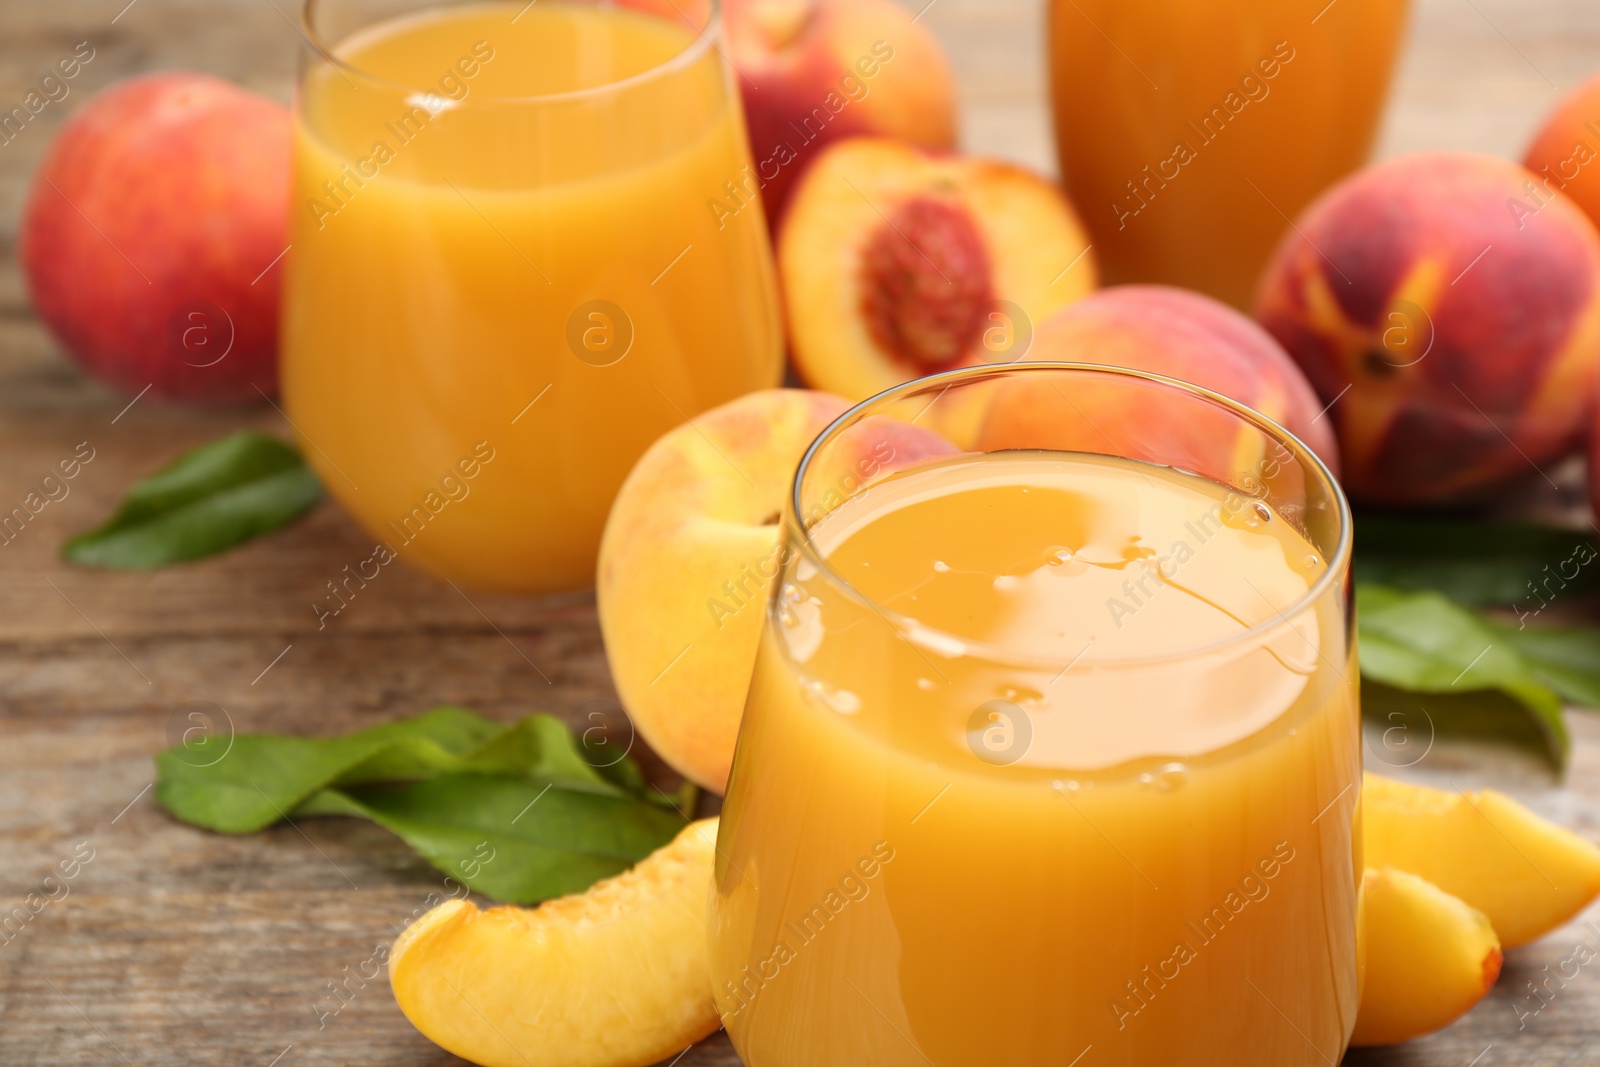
181, 947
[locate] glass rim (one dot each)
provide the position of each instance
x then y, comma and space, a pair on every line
1337, 563
692, 53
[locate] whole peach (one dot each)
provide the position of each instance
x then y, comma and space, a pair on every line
691, 549
814, 71
151, 231
1451, 322
1181, 335
1565, 154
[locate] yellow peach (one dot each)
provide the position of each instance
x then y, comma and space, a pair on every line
1428, 958
897, 262
1525, 873
617, 976
689, 554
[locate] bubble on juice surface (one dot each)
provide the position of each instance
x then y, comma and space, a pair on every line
925, 684
1168, 778
1021, 694
841, 700
1056, 555
1262, 511
790, 597
1005, 582
941, 566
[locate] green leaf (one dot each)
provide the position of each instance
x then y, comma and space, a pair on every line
1565, 659
261, 778
1410, 723
207, 500
1426, 643
1479, 564
510, 838
245, 783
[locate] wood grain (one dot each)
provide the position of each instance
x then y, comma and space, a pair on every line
180, 947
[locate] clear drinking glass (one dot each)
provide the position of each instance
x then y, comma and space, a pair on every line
507, 277
1190, 134
991, 805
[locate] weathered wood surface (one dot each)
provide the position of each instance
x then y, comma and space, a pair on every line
180, 947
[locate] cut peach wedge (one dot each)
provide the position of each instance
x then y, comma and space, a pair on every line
1429, 958
1525, 873
897, 262
617, 976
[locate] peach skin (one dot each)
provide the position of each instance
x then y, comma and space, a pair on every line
896, 263
1452, 324
688, 557
1172, 332
1564, 157
815, 71
1525, 873
149, 232
1429, 958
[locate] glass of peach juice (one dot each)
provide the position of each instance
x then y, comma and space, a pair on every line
504, 281
1051, 753
1189, 134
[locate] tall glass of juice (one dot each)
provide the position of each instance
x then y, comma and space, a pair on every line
504, 279
1191, 133
1051, 754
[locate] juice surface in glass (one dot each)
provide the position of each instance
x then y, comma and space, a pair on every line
1045, 752
1190, 133
504, 280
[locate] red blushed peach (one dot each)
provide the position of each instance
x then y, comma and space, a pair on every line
1452, 322
897, 262
1565, 155
1172, 332
149, 232
814, 71
690, 550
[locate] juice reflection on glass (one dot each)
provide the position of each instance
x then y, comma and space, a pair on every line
505, 281
1048, 750
1191, 133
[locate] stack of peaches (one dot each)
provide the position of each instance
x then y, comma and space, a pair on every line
1431, 327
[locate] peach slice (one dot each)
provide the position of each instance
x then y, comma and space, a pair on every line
897, 262
1525, 873
1429, 958
617, 976
689, 554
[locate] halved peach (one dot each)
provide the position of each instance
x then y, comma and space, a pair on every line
617, 976
1525, 873
1429, 957
897, 262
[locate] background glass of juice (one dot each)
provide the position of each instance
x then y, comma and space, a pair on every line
504, 279
1053, 740
1191, 133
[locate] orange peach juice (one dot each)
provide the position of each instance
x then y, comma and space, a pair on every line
1191, 133
505, 281
1048, 758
